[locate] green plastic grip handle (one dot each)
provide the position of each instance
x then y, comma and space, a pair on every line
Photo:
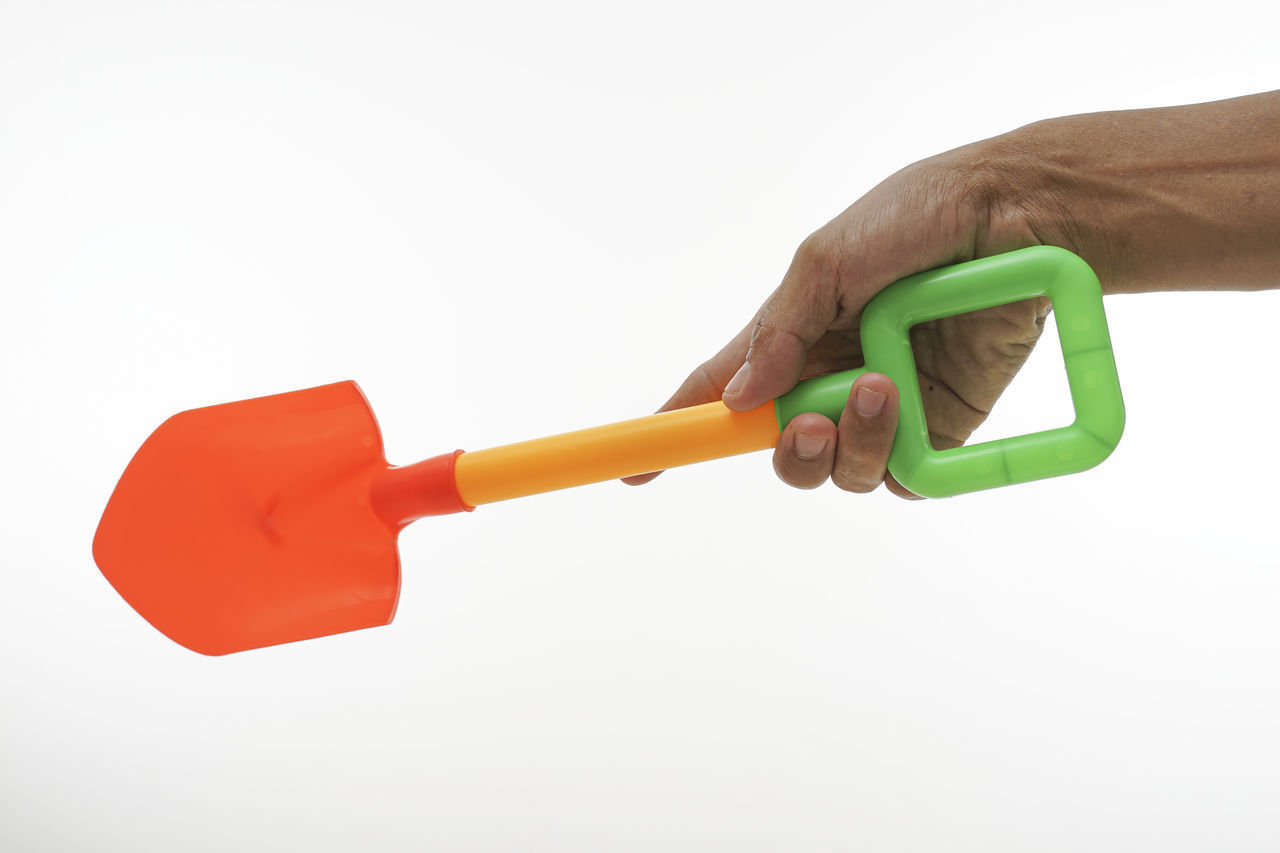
886, 323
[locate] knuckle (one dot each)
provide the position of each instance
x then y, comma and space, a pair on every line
703, 380
817, 253
761, 331
851, 479
891, 483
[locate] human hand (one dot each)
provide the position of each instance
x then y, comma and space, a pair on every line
1174, 198
937, 212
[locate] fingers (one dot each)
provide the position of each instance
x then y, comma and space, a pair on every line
641, 479
866, 431
919, 218
791, 321
704, 385
708, 380
854, 454
900, 490
806, 451
766, 359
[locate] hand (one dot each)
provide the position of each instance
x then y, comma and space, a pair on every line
940, 211
1176, 198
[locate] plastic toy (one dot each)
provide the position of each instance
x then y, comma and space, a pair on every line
275, 519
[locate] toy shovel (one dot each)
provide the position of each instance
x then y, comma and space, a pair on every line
275, 519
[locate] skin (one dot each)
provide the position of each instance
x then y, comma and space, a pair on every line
1177, 198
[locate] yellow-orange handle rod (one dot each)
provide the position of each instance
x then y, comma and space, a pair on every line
664, 440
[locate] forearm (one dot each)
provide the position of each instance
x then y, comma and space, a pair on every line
1176, 198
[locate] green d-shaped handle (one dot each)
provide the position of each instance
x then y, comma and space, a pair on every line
1076, 295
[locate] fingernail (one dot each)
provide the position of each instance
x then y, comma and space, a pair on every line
869, 402
809, 446
739, 379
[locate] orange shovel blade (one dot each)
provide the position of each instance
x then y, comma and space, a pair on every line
250, 524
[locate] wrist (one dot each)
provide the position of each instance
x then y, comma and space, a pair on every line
1042, 175
1162, 199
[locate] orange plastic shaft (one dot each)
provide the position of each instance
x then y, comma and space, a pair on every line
664, 440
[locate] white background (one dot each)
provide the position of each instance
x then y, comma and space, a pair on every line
507, 220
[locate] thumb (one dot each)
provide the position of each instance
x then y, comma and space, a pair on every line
790, 322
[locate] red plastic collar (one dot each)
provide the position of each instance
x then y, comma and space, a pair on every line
403, 494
